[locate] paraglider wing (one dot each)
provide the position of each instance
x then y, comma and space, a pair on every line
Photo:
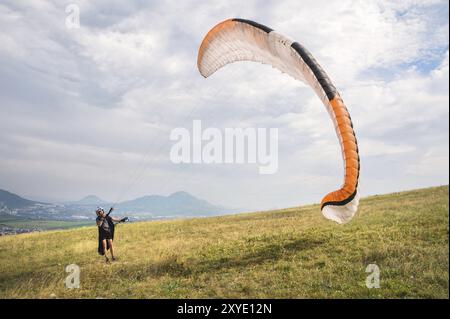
244, 40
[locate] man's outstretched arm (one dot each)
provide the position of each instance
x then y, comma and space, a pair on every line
119, 220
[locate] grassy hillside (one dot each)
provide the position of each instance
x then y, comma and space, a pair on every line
15, 222
292, 253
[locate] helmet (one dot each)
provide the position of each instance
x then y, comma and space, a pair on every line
99, 209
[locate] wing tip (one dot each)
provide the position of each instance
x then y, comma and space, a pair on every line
207, 39
341, 212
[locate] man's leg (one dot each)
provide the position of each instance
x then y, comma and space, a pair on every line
104, 249
111, 248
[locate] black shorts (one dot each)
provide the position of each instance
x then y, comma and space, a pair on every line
104, 234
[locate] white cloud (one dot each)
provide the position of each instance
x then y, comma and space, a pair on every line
82, 105
434, 162
369, 147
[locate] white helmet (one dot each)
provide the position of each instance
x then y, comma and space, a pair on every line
99, 209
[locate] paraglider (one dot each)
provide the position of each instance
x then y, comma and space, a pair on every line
106, 226
244, 40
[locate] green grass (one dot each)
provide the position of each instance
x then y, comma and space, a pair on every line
24, 223
291, 253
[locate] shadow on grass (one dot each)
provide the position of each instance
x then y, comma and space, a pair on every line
172, 266
264, 254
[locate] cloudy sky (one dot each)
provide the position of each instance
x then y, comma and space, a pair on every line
89, 110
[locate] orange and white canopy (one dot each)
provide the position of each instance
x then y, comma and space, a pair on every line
244, 40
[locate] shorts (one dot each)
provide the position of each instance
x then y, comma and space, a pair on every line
105, 234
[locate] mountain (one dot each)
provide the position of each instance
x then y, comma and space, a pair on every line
90, 200
179, 204
13, 201
176, 204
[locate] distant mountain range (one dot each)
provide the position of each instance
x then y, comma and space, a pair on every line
176, 204
14, 201
179, 204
